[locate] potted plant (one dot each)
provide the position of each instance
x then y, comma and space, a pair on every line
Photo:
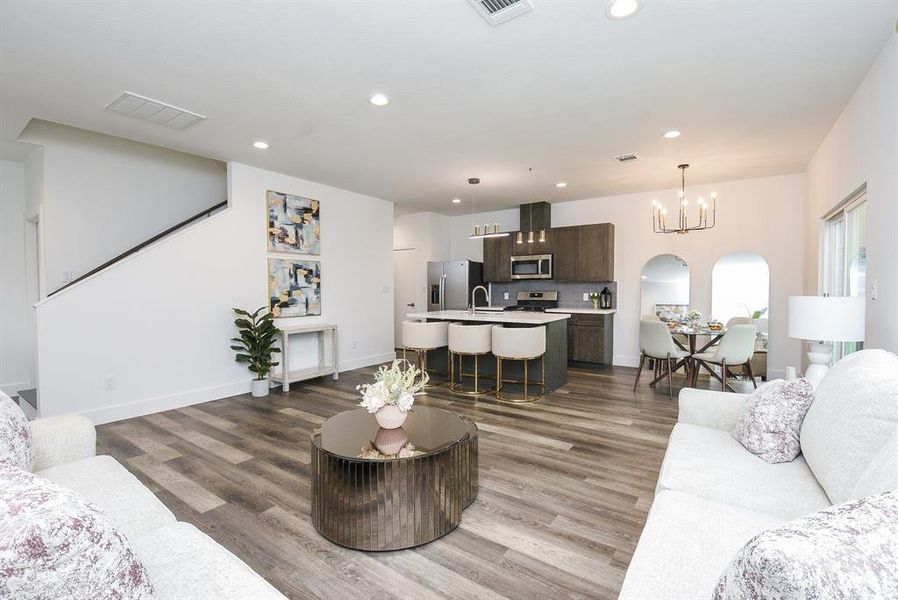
393, 392
255, 345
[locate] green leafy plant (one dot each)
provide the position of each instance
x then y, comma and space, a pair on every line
255, 343
759, 313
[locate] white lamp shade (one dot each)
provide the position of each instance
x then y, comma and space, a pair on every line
827, 318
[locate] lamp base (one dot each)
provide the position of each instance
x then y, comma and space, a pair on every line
819, 355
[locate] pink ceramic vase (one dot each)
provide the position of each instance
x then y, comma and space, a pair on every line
390, 417
390, 441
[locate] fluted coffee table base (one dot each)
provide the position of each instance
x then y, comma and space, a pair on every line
399, 503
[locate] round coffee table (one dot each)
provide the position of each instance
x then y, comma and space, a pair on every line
392, 502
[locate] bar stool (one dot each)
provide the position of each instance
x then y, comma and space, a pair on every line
421, 337
524, 344
468, 340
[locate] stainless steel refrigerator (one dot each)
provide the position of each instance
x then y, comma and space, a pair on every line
449, 283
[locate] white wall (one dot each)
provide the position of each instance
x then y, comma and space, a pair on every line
427, 234
15, 339
103, 195
862, 147
160, 321
760, 215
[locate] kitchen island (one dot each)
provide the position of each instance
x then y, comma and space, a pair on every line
556, 343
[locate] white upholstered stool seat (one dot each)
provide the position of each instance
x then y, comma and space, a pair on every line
420, 337
468, 340
524, 344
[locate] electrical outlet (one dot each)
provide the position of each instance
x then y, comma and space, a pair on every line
354, 344
385, 289
109, 382
586, 296
67, 277
505, 295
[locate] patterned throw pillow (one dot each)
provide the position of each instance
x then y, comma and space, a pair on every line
770, 423
847, 551
16, 448
56, 544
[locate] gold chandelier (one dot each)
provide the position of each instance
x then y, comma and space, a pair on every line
705, 220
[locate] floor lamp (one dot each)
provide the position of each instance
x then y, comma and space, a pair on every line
822, 320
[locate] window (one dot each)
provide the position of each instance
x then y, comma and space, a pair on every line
844, 256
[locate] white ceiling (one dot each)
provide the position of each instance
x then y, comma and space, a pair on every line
753, 85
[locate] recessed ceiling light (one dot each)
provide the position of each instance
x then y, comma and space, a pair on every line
621, 9
379, 100
673, 133
561, 184
260, 145
456, 201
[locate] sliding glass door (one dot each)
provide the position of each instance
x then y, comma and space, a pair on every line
844, 257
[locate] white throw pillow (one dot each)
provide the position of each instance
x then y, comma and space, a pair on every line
56, 544
770, 423
16, 445
848, 551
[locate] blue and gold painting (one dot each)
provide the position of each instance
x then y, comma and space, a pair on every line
294, 224
294, 287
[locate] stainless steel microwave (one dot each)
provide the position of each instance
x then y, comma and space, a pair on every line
535, 266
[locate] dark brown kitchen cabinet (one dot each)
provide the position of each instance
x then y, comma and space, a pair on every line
584, 253
596, 258
590, 339
526, 248
565, 248
497, 259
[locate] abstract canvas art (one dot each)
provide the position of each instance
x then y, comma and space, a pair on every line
294, 287
294, 224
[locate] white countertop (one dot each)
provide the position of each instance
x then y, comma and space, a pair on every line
524, 318
585, 311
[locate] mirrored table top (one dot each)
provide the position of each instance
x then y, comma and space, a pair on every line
427, 429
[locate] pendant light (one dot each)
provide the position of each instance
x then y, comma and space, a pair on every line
705, 221
487, 232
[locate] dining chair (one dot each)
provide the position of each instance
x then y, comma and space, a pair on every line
735, 348
655, 342
650, 317
739, 321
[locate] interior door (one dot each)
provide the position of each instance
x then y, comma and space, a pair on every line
455, 286
405, 265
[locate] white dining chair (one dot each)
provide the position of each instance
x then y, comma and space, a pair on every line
656, 342
735, 348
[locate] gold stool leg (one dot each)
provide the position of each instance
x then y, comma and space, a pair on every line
476, 369
526, 362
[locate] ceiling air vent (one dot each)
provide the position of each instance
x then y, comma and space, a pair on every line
498, 11
626, 157
147, 109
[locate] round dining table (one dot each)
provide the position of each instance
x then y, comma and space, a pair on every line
692, 334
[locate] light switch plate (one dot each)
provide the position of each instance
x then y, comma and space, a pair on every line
874, 290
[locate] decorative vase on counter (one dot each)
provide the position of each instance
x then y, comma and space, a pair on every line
390, 417
390, 441
595, 304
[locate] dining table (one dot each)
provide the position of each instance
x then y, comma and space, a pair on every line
691, 334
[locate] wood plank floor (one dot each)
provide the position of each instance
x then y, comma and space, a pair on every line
565, 486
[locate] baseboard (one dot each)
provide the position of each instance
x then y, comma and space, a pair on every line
625, 360
147, 406
12, 388
366, 361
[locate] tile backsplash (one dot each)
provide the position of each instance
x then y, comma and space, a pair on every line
570, 295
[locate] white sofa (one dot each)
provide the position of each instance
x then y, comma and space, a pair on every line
183, 563
713, 495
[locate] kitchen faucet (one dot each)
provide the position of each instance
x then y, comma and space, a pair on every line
486, 293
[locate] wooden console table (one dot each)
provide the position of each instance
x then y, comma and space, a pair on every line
285, 376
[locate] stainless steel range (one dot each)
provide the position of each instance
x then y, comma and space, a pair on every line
535, 301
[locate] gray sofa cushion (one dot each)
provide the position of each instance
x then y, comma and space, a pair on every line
854, 416
106, 483
185, 563
709, 463
686, 545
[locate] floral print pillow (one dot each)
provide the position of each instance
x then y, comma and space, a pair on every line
16, 447
56, 544
847, 551
770, 423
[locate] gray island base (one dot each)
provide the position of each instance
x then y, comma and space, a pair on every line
555, 357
